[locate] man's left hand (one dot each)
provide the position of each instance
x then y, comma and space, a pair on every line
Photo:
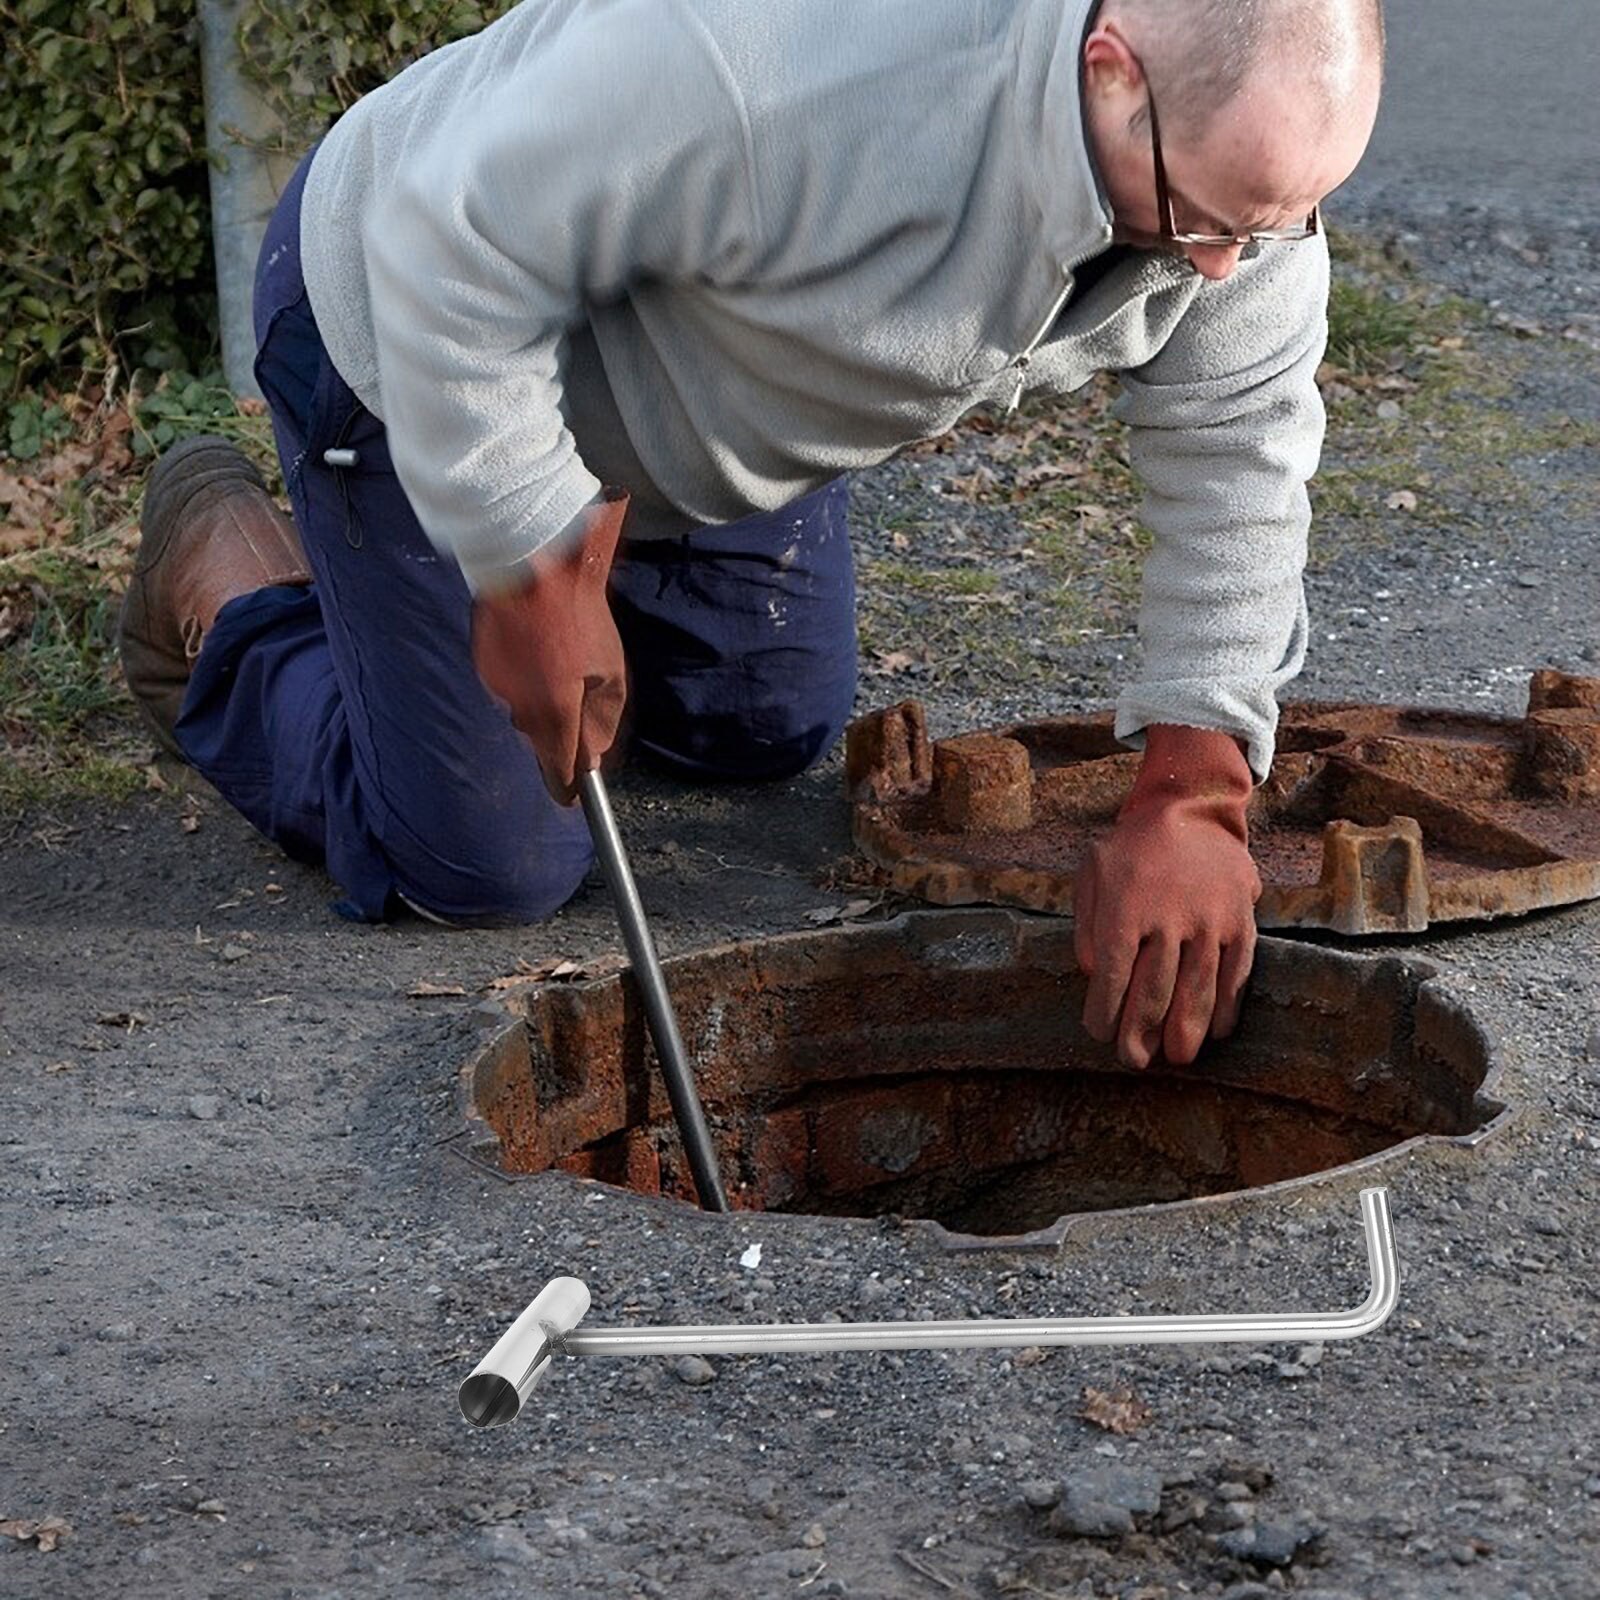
1164, 904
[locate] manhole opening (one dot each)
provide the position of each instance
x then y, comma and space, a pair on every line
934, 1067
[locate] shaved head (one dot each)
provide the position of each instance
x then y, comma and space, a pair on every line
1200, 54
1266, 107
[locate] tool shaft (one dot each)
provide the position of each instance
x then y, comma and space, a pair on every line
1011, 1332
663, 1022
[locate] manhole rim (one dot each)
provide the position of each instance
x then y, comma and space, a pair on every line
486, 1147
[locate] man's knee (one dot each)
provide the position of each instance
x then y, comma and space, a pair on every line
513, 884
755, 745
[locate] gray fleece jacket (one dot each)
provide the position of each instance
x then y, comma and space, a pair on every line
718, 252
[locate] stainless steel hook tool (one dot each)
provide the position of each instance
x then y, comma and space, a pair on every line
658, 1010
499, 1386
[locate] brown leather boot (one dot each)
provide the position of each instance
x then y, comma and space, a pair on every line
209, 531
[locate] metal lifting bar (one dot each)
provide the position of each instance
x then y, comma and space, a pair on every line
663, 1020
499, 1386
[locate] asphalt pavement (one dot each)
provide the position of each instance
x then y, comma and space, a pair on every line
1490, 104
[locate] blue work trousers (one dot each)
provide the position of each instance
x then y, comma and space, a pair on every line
346, 721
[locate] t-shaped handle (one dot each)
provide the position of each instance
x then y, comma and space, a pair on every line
496, 1393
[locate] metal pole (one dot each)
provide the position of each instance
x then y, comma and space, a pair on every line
244, 189
675, 1068
550, 1333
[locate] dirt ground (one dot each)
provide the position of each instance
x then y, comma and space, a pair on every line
247, 1266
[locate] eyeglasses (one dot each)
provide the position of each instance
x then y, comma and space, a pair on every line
1168, 226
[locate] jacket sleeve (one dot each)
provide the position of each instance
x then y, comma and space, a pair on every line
1226, 426
619, 153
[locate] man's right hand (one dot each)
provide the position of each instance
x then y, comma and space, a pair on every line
549, 648
1164, 904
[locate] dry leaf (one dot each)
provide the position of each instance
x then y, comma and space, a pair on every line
533, 972
68, 465
972, 487
25, 520
1048, 472
852, 872
424, 990
189, 822
1523, 327
1402, 500
900, 539
892, 662
123, 1019
1030, 1356
559, 969
48, 1531
1117, 1410
113, 453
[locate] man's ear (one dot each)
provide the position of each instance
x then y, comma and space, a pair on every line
1109, 62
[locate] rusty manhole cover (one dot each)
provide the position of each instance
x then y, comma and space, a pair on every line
933, 1067
1375, 819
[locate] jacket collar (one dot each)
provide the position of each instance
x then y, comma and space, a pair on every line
1047, 112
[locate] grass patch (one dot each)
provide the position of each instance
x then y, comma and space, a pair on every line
932, 581
90, 775
1369, 331
55, 676
1420, 395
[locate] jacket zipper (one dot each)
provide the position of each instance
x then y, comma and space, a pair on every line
1023, 361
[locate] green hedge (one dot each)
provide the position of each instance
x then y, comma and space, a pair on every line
105, 197
311, 62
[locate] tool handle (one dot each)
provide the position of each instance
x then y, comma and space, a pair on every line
499, 1386
978, 1333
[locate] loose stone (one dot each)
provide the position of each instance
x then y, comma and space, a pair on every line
1041, 1493
1254, 1473
694, 1370
1101, 1501
509, 1544
1186, 1509
1268, 1544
